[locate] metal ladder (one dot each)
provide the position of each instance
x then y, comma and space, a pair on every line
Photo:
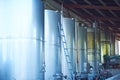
67, 55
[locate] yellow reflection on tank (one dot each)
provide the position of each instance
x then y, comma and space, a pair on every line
90, 39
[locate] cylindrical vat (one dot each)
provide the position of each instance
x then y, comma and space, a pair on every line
52, 45
93, 45
82, 61
105, 44
21, 40
69, 30
82, 49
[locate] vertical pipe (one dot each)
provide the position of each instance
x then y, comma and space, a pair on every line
117, 47
52, 45
112, 44
76, 44
21, 40
96, 46
69, 29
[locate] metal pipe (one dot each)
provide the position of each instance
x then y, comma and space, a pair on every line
117, 47
76, 44
69, 29
21, 40
96, 47
112, 44
52, 45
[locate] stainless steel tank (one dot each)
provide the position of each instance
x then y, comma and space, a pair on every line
82, 52
21, 40
93, 48
52, 45
82, 49
105, 44
69, 30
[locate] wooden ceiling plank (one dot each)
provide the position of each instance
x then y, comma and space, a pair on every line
116, 1
73, 1
101, 18
87, 12
91, 7
101, 1
88, 2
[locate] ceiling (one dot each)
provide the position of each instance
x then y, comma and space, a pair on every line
105, 12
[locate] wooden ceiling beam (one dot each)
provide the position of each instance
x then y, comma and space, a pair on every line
114, 27
86, 17
111, 26
92, 7
100, 18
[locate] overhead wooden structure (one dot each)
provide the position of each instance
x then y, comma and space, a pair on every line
106, 12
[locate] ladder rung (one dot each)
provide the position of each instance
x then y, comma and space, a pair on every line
69, 62
65, 48
70, 69
66, 55
62, 29
64, 42
62, 35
